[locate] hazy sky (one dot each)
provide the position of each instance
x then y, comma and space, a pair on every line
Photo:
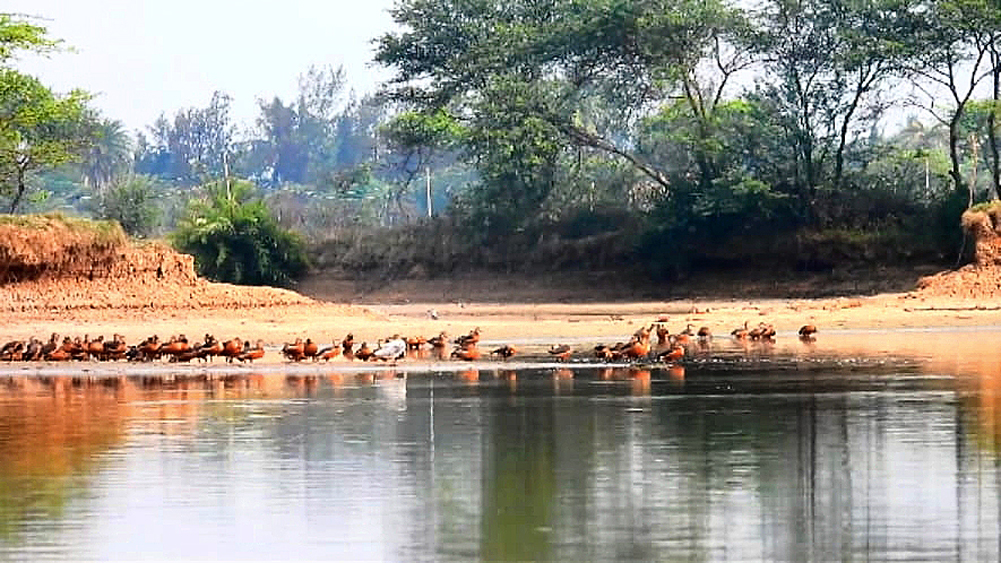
144, 57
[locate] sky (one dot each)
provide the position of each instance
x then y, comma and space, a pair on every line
142, 58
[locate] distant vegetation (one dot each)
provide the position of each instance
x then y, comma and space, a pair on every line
659, 137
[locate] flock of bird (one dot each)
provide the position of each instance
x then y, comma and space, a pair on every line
177, 348
668, 347
673, 347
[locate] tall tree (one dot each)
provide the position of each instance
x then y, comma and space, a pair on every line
564, 52
108, 156
356, 132
870, 39
297, 141
950, 53
994, 51
38, 129
191, 147
284, 154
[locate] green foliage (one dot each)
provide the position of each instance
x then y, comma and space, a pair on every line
415, 134
297, 140
517, 155
416, 141
19, 34
354, 140
38, 129
109, 155
133, 202
190, 148
234, 238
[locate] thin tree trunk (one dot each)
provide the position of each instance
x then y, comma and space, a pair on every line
702, 160
839, 157
19, 193
992, 132
809, 183
974, 149
957, 177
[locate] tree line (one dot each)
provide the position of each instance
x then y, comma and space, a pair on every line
680, 133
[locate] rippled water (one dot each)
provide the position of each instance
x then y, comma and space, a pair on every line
777, 461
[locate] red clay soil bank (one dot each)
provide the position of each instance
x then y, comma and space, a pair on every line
149, 277
53, 264
982, 278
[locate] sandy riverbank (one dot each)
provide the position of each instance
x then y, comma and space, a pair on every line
539, 322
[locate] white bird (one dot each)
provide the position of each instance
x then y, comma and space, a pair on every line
433, 314
391, 349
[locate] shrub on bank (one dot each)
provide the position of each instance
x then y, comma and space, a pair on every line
234, 238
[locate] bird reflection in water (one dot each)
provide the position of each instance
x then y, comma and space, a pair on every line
562, 380
676, 373
510, 376
703, 347
306, 385
421, 353
563, 373
640, 379
470, 376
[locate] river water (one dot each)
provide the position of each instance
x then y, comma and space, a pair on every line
870, 458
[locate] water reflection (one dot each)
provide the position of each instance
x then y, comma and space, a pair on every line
50, 432
789, 462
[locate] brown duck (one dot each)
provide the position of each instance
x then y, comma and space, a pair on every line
505, 351
561, 352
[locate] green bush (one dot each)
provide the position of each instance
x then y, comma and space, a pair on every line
234, 238
133, 203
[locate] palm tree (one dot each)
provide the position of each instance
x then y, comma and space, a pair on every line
234, 237
108, 156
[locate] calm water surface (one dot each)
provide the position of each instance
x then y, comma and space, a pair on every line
861, 460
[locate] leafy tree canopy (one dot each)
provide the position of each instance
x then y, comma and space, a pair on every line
192, 147
38, 128
531, 80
